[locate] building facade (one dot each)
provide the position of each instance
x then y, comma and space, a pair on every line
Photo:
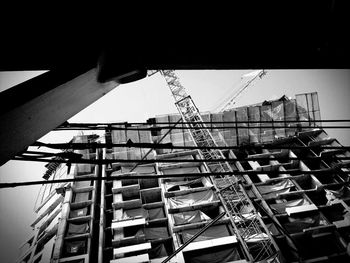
133, 211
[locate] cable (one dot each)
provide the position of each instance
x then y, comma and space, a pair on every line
152, 176
206, 122
159, 128
142, 161
129, 144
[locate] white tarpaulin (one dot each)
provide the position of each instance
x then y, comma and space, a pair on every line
281, 207
182, 185
192, 199
190, 217
265, 189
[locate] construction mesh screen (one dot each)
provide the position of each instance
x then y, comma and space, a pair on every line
259, 123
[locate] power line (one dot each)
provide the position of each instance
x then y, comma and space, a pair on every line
205, 122
111, 161
159, 128
130, 144
150, 176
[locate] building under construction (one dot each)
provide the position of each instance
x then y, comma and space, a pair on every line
261, 183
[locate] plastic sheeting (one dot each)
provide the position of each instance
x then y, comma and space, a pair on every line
214, 256
83, 168
264, 189
122, 136
304, 107
140, 169
254, 115
167, 138
190, 217
76, 229
242, 116
157, 251
185, 170
272, 228
276, 193
281, 207
176, 135
80, 184
217, 117
277, 113
78, 212
137, 212
290, 114
183, 185
156, 213
192, 199
230, 134
215, 231
308, 108
152, 233
73, 248
246, 208
150, 214
296, 225
80, 197
119, 136
145, 137
334, 195
267, 134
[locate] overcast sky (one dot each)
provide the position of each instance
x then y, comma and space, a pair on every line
140, 100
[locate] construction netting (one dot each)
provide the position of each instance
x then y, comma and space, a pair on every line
259, 123
135, 136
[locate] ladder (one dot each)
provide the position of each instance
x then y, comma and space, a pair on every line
247, 224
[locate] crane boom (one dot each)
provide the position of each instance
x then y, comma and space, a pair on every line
228, 104
249, 228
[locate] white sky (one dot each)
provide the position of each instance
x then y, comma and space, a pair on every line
138, 101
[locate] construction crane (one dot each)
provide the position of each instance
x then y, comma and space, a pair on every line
250, 231
229, 103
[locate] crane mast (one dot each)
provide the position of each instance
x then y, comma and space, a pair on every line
250, 231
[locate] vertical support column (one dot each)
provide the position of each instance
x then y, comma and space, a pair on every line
179, 258
102, 212
62, 225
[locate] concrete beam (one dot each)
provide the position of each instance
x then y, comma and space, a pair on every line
32, 109
128, 223
211, 243
133, 248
